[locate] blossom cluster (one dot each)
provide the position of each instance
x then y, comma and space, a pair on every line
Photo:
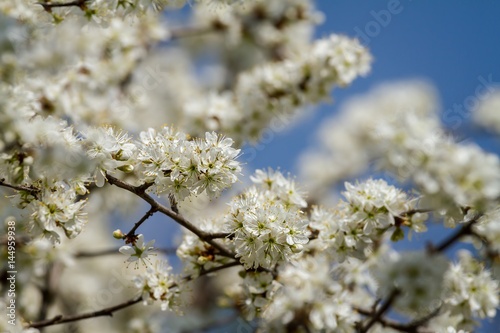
266, 221
159, 284
171, 162
100, 11
406, 139
370, 209
183, 167
470, 291
279, 89
86, 77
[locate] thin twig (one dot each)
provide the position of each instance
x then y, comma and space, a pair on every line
411, 327
31, 190
377, 316
464, 231
183, 32
143, 219
60, 319
213, 269
140, 191
47, 6
416, 211
216, 235
89, 254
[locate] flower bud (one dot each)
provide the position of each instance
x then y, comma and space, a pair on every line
118, 234
127, 168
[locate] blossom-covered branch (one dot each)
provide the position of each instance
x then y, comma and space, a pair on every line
140, 191
105, 102
114, 251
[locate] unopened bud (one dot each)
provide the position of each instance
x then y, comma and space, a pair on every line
127, 168
202, 260
118, 234
296, 248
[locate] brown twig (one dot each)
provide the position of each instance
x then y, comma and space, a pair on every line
31, 190
140, 191
213, 269
184, 32
47, 6
216, 235
411, 327
85, 254
143, 219
464, 231
377, 316
60, 319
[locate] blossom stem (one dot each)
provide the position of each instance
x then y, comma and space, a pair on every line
143, 219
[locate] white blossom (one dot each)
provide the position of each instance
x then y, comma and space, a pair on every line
266, 221
470, 289
138, 250
183, 167
159, 284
